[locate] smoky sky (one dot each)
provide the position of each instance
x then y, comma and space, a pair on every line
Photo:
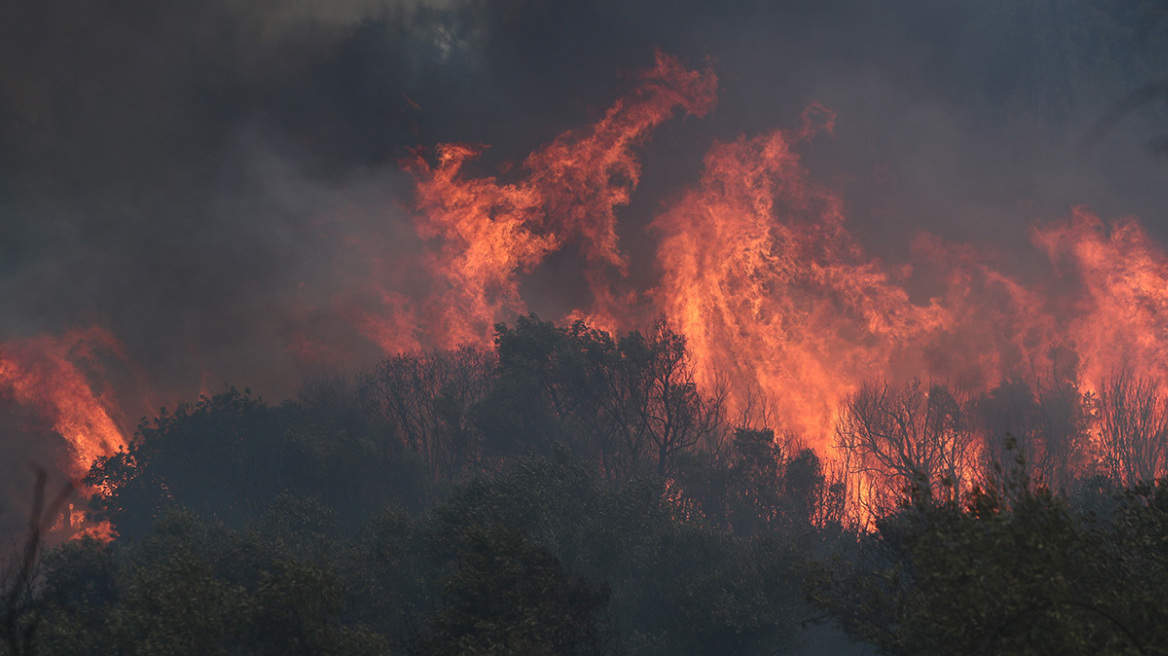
197, 176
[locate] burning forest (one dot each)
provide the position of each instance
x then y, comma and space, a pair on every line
578, 337
781, 310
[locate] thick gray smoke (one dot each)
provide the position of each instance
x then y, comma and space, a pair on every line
207, 179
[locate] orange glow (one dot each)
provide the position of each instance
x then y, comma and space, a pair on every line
760, 274
102, 531
757, 268
49, 375
1119, 318
488, 232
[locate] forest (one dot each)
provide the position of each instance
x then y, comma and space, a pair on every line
857, 339
573, 492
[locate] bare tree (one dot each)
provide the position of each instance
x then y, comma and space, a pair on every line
895, 437
18, 617
1133, 428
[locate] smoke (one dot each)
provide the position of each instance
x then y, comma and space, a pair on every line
218, 184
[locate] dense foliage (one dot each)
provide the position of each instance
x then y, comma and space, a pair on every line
1017, 570
575, 493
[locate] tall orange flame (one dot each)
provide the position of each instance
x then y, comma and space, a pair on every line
489, 232
756, 265
1119, 314
760, 272
45, 373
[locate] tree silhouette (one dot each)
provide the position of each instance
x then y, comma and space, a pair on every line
1133, 428
898, 436
19, 616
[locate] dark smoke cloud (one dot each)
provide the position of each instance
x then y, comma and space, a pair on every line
193, 175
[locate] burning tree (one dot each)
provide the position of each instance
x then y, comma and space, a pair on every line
897, 436
1133, 428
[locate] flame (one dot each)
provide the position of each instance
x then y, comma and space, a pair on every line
769, 288
1119, 314
757, 268
46, 374
488, 232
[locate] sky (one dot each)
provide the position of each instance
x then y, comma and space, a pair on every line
206, 179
